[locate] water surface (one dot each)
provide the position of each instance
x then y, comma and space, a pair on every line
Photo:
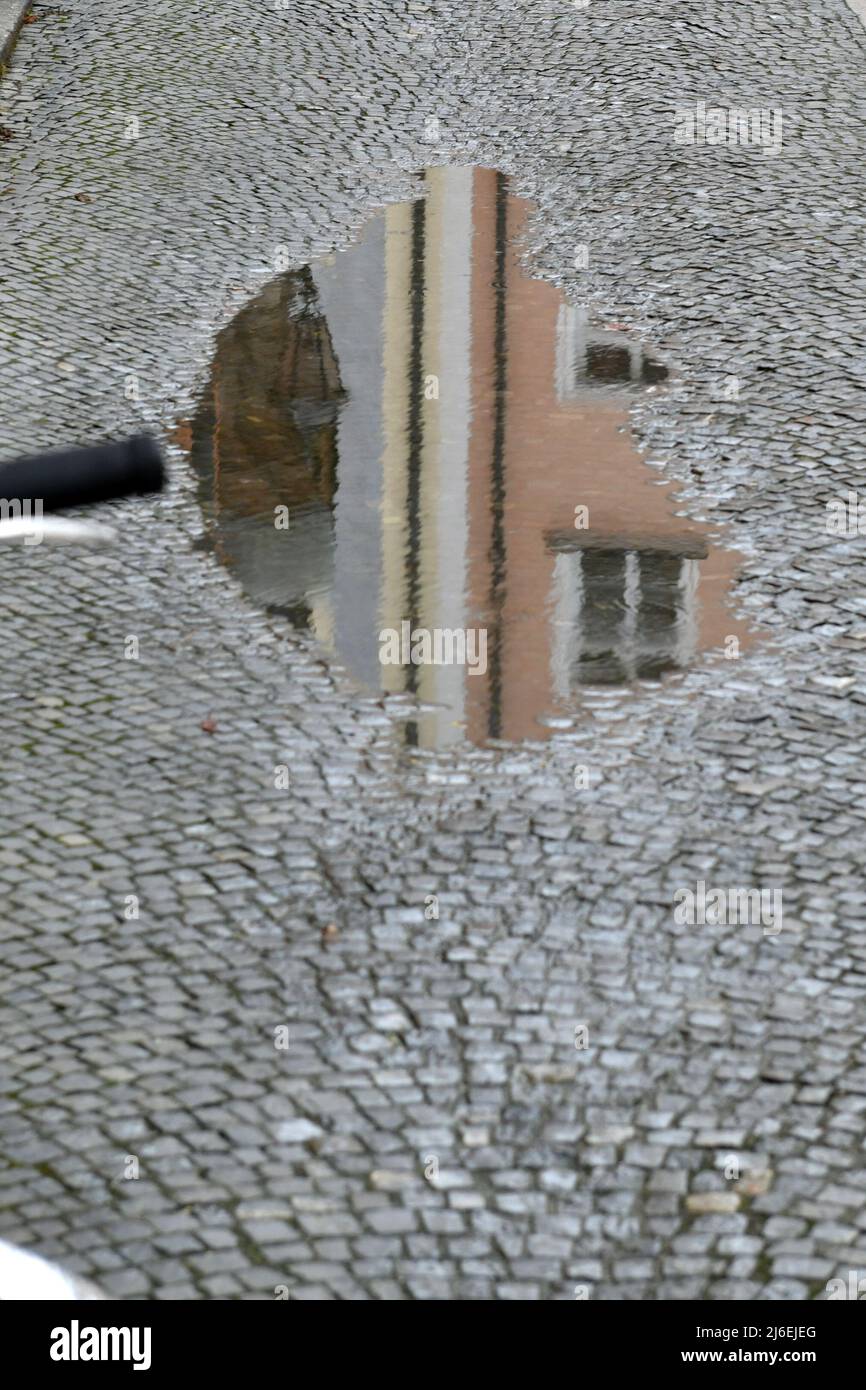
448, 440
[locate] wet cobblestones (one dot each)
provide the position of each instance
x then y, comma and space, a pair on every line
431, 1130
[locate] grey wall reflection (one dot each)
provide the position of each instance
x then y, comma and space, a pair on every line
348, 301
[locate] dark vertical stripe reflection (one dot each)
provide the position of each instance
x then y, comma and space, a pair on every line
497, 465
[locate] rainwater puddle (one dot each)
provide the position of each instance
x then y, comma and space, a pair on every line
422, 455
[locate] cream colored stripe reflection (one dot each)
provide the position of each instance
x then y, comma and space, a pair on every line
395, 415
444, 501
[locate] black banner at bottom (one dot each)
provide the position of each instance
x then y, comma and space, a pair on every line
159, 1340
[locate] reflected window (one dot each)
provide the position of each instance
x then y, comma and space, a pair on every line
588, 357
606, 362
621, 614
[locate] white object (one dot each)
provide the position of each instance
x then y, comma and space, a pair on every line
28, 1278
57, 530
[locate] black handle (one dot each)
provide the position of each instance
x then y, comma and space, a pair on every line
77, 477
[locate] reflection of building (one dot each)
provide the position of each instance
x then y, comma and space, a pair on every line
481, 484
264, 437
432, 416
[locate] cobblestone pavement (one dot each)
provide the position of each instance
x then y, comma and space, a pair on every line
151, 1040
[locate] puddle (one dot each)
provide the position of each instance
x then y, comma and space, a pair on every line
435, 421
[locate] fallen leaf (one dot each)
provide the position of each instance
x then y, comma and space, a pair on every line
181, 435
755, 1184
82, 197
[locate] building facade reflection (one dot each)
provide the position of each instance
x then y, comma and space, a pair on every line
434, 419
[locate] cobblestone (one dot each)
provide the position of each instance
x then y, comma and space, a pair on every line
412, 1041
